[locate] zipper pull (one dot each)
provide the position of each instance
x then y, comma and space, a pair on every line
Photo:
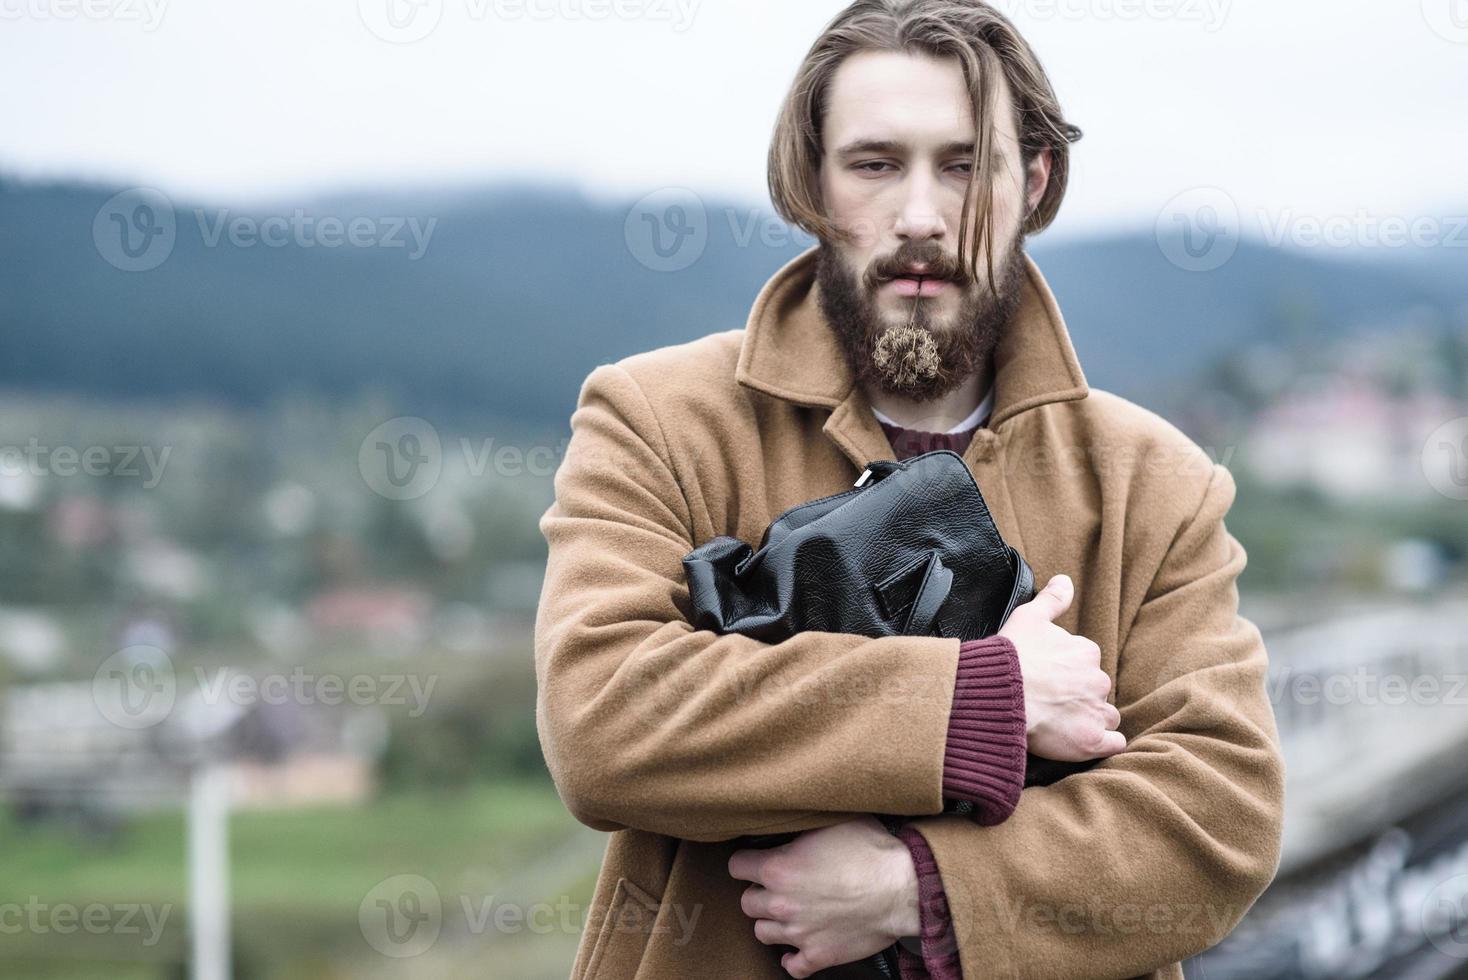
878, 470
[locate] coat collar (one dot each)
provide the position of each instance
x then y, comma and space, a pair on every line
788, 351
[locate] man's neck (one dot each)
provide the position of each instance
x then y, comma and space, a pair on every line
938, 415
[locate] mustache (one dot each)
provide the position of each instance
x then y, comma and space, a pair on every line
940, 265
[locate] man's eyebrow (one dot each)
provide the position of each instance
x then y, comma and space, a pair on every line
956, 148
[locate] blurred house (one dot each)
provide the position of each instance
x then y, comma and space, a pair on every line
1347, 436
31, 640
80, 521
20, 489
285, 754
60, 753
165, 569
386, 618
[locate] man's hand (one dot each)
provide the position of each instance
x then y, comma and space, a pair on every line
1067, 716
837, 894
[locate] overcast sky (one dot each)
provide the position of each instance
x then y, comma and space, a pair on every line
1321, 108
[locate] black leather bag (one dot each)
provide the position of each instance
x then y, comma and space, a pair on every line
911, 550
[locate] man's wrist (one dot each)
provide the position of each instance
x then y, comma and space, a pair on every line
937, 946
904, 918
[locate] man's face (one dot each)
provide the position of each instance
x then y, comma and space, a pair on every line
898, 142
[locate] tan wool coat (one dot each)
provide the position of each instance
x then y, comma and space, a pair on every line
678, 740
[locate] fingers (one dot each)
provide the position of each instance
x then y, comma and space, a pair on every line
797, 964
747, 864
1095, 737
761, 903
755, 902
1055, 598
1111, 744
773, 933
1109, 741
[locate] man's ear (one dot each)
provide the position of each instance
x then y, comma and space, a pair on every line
1037, 178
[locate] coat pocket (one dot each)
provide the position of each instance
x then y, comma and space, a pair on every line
624, 932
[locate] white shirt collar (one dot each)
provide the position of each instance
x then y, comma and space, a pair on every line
976, 418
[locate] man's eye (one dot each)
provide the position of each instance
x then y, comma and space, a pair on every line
966, 168
872, 166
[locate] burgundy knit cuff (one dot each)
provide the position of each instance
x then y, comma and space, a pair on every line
984, 758
937, 941
910, 966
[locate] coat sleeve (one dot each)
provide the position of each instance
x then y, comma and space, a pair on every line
650, 724
1156, 853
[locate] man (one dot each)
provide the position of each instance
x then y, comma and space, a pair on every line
921, 143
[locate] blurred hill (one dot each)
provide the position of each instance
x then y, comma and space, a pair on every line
522, 290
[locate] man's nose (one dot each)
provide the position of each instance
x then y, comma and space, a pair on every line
919, 218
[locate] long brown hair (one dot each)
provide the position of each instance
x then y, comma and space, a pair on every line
985, 44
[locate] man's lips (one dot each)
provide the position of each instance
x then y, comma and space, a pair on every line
918, 285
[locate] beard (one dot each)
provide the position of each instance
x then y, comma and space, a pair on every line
919, 358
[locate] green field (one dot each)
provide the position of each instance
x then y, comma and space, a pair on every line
298, 880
